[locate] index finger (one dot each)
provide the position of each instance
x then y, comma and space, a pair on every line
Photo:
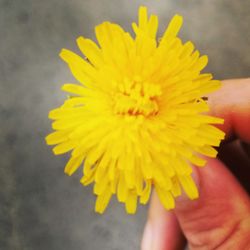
232, 103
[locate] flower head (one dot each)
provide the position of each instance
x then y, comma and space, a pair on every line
136, 119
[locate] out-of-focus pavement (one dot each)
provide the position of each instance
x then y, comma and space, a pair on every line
40, 207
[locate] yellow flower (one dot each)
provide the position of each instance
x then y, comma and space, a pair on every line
136, 119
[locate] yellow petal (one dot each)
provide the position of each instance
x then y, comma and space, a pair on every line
166, 198
81, 69
103, 200
176, 188
73, 164
146, 193
172, 29
143, 17
57, 137
131, 202
122, 190
75, 89
189, 186
65, 147
91, 51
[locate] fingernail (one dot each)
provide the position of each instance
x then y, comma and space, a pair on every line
147, 237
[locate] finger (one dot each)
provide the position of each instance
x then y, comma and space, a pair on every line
232, 102
220, 217
162, 230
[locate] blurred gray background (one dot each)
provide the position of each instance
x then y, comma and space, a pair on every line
40, 207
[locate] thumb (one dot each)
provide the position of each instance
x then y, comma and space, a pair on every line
221, 215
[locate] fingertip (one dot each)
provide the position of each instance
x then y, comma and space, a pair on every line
232, 103
162, 230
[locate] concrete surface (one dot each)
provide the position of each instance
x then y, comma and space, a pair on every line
41, 208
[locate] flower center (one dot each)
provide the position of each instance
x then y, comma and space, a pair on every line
137, 98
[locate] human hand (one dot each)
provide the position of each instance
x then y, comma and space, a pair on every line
220, 217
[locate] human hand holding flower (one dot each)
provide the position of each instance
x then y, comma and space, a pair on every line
220, 218
136, 120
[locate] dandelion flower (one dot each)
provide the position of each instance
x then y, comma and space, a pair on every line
136, 119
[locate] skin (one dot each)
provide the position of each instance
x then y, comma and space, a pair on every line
220, 218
